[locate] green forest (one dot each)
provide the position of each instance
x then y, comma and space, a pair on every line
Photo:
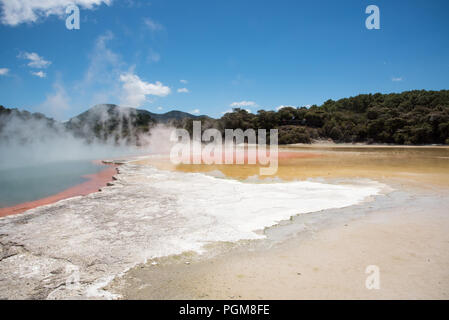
409, 118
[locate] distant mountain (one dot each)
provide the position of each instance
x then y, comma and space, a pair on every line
101, 122
24, 115
172, 116
115, 110
25, 127
106, 121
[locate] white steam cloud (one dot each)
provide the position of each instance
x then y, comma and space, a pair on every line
27, 139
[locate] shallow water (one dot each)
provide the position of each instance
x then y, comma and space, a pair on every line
420, 165
34, 182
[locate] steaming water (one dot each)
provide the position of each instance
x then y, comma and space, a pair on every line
31, 183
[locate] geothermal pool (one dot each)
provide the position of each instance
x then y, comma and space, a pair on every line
30, 183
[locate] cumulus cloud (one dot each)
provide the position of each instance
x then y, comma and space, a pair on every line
183, 90
195, 111
397, 79
16, 12
240, 104
4, 71
230, 111
35, 61
282, 107
152, 25
39, 74
135, 90
183, 81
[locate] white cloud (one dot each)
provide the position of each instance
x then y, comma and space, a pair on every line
15, 12
135, 90
39, 74
195, 111
231, 110
183, 90
35, 61
183, 81
398, 79
242, 104
160, 108
4, 71
152, 25
282, 107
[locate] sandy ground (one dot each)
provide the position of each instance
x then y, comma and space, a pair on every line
404, 235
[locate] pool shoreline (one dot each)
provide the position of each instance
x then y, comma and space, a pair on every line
93, 183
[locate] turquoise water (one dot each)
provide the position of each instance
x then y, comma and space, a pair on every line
31, 183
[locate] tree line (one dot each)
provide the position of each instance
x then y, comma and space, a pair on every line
408, 118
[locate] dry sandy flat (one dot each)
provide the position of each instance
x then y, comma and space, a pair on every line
409, 244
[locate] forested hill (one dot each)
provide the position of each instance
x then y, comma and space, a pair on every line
412, 117
104, 122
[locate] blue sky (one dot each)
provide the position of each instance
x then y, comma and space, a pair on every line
217, 54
